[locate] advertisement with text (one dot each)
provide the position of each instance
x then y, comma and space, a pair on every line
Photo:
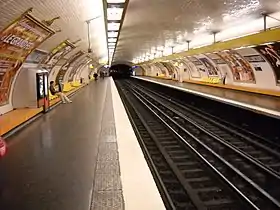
17, 41
58, 53
62, 71
240, 67
76, 68
271, 52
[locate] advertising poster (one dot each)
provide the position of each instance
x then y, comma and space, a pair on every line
17, 41
64, 68
57, 53
220, 63
240, 67
195, 68
211, 67
175, 66
148, 69
168, 68
82, 67
255, 59
159, 69
77, 67
36, 57
271, 53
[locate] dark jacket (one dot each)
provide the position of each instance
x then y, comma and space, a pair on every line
52, 90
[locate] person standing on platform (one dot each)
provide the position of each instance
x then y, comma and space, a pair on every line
62, 96
95, 76
224, 79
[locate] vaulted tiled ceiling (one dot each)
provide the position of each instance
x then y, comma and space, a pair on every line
150, 25
73, 14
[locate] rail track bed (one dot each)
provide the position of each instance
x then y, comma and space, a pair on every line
197, 161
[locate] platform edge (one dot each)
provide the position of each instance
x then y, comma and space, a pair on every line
141, 192
253, 108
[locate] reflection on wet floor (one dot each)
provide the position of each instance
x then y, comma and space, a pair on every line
50, 164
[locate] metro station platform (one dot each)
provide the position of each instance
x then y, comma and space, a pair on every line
260, 103
79, 156
16, 118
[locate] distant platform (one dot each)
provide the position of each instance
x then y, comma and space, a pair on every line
263, 104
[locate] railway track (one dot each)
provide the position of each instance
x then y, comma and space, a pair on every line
262, 150
190, 168
261, 176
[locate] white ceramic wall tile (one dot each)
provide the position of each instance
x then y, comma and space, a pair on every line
150, 23
73, 15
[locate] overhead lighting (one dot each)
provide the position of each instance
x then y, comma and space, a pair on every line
111, 44
111, 47
112, 34
112, 40
116, 1
113, 26
114, 13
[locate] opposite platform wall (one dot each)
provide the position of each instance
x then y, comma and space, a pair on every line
253, 67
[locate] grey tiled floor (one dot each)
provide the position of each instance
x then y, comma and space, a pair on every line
51, 164
107, 185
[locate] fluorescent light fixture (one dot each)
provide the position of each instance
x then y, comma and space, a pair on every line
113, 26
112, 34
111, 44
114, 13
111, 47
116, 1
112, 40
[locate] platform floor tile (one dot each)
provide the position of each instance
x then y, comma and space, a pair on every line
107, 187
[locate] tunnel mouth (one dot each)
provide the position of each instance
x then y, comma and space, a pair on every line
119, 71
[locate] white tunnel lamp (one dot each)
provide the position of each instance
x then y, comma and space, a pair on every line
114, 13
112, 34
113, 26
112, 40
110, 44
115, 1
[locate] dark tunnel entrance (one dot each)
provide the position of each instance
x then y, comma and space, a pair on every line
119, 71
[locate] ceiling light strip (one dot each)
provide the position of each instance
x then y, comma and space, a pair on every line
114, 14
124, 4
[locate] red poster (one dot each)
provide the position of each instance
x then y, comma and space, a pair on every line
271, 52
240, 67
17, 41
